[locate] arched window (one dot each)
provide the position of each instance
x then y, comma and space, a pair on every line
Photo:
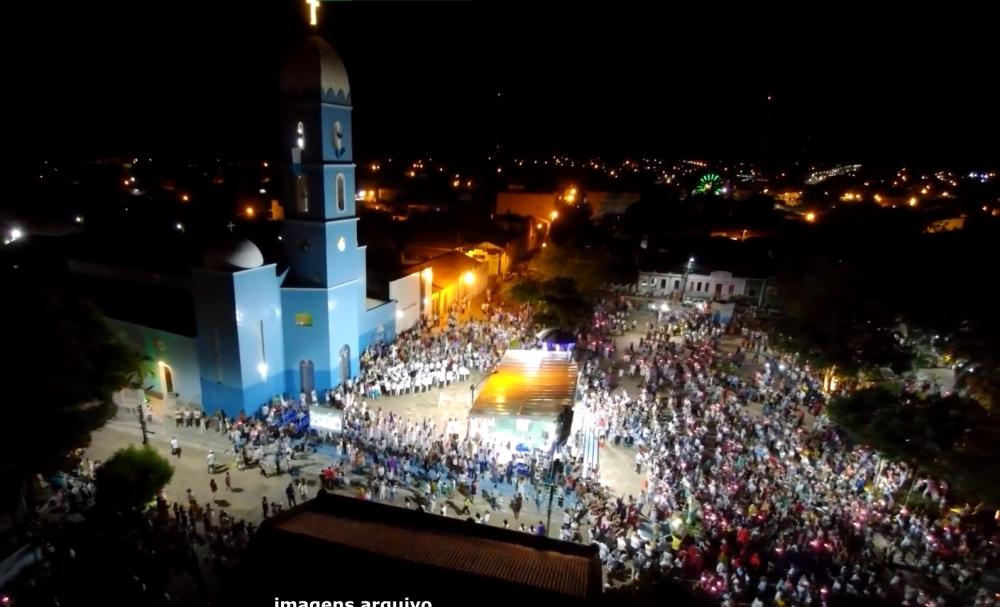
301, 132
341, 192
338, 139
301, 194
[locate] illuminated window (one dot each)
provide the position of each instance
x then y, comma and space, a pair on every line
341, 192
301, 139
301, 194
304, 319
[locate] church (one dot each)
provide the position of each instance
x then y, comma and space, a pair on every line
257, 328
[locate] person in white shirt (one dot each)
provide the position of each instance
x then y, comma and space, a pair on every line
175, 448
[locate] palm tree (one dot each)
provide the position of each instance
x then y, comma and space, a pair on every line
139, 371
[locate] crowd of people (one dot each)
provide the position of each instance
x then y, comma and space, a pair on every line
750, 491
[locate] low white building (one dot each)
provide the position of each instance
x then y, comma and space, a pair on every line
719, 285
409, 292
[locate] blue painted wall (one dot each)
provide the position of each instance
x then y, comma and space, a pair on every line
382, 317
306, 343
259, 332
231, 310
178, 352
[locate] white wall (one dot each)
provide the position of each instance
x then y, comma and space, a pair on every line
717, 285
406, 292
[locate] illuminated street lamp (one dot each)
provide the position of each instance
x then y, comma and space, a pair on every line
553, 215
469, 278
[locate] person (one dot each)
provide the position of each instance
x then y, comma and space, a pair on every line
540, 529
229, 482
213, 486
303, 493
290, 494
210, 459
264, 506
175, 447
515, 505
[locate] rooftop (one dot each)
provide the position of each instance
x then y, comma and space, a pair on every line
439, 555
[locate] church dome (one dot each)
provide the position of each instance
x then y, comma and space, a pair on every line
233, 255
315, 69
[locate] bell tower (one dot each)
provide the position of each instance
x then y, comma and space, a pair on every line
323, 294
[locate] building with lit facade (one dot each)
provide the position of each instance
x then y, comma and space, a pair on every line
239, 328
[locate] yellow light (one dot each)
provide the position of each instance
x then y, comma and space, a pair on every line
313, 5
427, 274
912, 201
126, 182
265, 164
249, 212
539, 225
456, 183
185, 198
468, 183
545, 244
469, 278
553, 215
810, 216
363, 193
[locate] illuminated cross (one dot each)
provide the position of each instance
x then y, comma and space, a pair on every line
313, 5
230, 225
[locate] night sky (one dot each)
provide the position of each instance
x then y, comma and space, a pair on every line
189, 81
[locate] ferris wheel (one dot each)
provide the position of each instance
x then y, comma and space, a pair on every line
710, 183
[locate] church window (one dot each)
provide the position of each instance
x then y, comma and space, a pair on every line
301, 194
341, 244
303, 319
341, 192
301, 132
338, 139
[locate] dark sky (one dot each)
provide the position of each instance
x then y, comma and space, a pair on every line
199, 79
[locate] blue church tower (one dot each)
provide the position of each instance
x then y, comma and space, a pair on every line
262, 331
323, 297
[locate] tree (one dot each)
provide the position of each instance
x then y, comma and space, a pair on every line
63, 366
131, 478
949, 437
834, 316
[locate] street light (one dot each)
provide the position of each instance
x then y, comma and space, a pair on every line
469, 278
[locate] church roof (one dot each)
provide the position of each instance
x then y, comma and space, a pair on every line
315, 69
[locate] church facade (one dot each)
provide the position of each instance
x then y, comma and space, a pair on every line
257, 330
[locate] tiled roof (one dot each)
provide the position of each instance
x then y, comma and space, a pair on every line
552, 571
